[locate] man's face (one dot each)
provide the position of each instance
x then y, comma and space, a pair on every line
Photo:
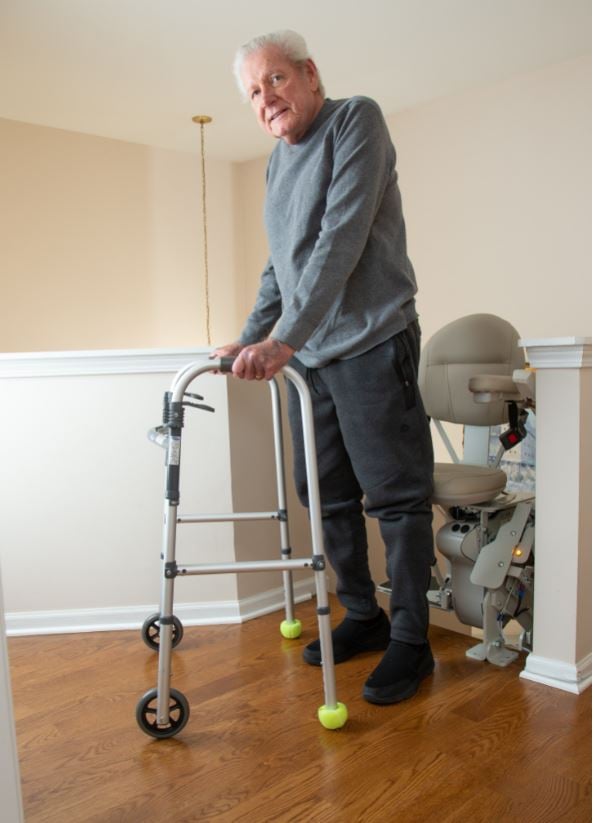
284, 97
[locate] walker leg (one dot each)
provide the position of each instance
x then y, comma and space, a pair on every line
290, 627
166, 614
163, 712
332, 715
173, 418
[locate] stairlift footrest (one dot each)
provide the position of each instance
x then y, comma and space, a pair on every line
499, 655
441, 599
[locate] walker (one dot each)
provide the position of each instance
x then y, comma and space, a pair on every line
164, 711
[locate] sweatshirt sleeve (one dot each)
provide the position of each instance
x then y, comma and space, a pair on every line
266, 311
363, 165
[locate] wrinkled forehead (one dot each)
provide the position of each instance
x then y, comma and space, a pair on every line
262, 63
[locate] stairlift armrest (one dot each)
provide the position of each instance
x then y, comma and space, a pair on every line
525, 380
489, 388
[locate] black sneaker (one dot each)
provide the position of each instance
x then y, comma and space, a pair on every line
352, 637
399, 673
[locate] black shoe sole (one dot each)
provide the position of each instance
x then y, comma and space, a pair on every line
385, 695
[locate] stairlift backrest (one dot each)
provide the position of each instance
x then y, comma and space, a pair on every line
474, 345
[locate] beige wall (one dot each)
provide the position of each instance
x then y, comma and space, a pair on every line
102, 244
497, 195
251, 246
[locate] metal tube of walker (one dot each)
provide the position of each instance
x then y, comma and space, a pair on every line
166, 611
282, 498
315, 511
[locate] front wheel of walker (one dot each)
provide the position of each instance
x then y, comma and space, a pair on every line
333, 717
146, 714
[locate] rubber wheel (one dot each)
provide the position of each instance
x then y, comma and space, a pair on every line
151, 631
146, 714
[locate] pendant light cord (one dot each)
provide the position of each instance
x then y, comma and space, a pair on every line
203, 120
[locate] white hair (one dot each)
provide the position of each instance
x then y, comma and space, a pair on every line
291, 44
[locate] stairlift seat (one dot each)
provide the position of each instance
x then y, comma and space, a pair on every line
459, 484
482, 350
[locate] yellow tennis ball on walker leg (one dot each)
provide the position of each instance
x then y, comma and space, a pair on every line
291, 629
333, 717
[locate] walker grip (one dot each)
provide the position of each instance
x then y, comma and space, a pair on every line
226, 364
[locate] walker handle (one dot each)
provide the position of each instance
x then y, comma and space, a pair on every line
226, 364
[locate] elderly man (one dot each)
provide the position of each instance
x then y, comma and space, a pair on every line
337, 300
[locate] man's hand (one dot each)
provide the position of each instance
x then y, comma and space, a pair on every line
229, 350
262, 361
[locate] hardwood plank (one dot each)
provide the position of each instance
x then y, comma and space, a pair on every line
476, 743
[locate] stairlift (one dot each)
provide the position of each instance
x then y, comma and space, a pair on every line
472, 373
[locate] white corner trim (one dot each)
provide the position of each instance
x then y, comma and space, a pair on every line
574, 678
122, 618
559, 352
84, 363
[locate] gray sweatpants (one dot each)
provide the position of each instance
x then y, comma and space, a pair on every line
375, 454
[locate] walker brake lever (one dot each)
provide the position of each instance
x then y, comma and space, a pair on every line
202, 406
160, 434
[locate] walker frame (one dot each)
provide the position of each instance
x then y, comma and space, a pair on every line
164, 711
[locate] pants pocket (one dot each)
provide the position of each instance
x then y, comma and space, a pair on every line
405, 366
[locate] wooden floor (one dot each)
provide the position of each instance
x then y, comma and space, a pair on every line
476, 743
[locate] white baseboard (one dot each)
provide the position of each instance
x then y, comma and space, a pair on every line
132, 617
569, 677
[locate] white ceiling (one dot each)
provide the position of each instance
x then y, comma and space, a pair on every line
138, 70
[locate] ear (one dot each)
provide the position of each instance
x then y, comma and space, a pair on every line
311, 72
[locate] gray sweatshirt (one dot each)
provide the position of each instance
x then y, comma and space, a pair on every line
338, 280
